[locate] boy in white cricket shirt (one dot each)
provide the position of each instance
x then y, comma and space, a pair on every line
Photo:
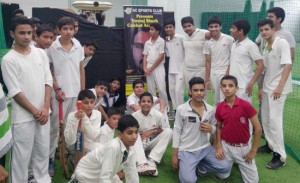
175, 50
153, 63
103, 163
277, 84
26, 73
243, 53
99, 91
217, 53
154, 130
193, 125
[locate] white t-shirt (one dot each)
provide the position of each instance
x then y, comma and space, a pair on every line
154, 119
133, 99
153, 50
27, 74
243, 54
274, 62
186, 133
91, 130
103, 163
193, 48
86, 60
219, 50
175, 50
67, 66
98, 100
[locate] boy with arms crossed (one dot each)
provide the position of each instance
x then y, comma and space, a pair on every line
243, 53
28, 78
277, 84
175, 50
217, 53
103, 163
154, 59
68, 72
233, 132
154, 130
191, 147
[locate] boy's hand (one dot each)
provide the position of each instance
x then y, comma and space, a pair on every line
60, 95
121, 175
205, 126
175, 158
277, 92
146, 134
148, 71
249, 89
80, 114
43, 115
3, 175
260, 94
207, 35
249, 156
219, 153
207, 85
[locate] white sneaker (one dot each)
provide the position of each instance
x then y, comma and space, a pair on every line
145, 169
152, 164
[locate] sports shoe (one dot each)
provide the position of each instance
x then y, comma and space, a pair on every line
264, 149
145, 169
31, 178
275, 163
201, 171
152, 164
51, 168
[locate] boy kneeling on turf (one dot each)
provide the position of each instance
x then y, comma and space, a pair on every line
233, 132
103, 163
155, 133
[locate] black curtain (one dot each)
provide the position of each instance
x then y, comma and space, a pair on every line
7, 10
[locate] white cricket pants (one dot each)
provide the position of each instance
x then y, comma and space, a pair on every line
157, 79
157, 146
188, 74
69, 105
272, 121
215, 80
31, 143
176, 89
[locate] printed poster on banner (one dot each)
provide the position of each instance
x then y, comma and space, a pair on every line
137, 20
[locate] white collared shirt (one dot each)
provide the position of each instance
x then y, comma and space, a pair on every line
153, 50
186, 133
67, 66
175, 50
154, 119
243, 55
193, 48
219, 50
98, 100
274, 61
103, 163
133, 99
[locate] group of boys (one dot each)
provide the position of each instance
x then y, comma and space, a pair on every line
205, 139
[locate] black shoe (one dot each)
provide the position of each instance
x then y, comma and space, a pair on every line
264, 149
275, 163
201, 171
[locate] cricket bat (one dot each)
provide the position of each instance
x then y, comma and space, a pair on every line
62, 144
79, 144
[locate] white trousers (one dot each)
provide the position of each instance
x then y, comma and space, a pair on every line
69, 105
241, 93
236, 154
156, 146
215, 83
189, 74
176, 89
272, 121
157, 79
31, 142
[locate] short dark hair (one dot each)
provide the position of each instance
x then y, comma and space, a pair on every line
187, 19
214, 20
113, 110
43, 28
86, 94
196, 80
278, 11
146, 94
265, 22
169, 21
137, 81
229, 77
156, 26
36, 20
242, 24
127, 121
17, 11
19, 20
115, 79
65, 21
101, 83
91, 43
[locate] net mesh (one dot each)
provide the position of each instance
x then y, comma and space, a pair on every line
228, 11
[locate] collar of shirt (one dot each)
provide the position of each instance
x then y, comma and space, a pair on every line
150, 113
237, 101
56, 44
242, 42
158, 40
94, 115
274, 42
123, 149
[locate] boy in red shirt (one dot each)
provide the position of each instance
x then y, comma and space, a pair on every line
233, 132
